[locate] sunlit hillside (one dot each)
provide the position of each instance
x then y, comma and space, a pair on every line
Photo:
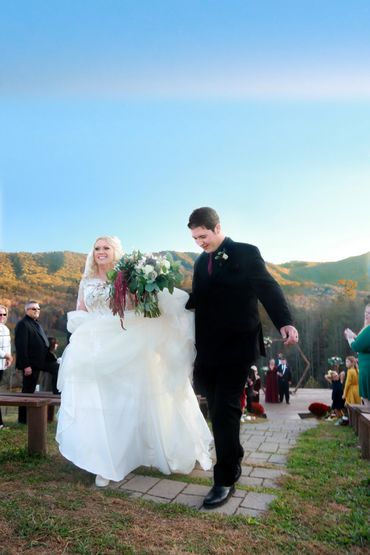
53, 277
324, 297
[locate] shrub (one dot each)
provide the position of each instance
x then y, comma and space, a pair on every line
319, 409
311, 383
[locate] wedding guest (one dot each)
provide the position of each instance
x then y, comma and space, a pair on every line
279, 359
107, 375
337, 404
351, 394
229, 279
243, 403
256, 385
284, 380
5, 348
31, 346
361, 344
271, 384
50, 375
249, 389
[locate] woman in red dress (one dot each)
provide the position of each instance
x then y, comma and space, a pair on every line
271, 385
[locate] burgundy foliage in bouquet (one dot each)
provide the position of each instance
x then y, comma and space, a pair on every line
143, 276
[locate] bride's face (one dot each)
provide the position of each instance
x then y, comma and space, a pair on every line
103, 253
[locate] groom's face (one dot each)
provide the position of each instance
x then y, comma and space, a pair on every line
207, 239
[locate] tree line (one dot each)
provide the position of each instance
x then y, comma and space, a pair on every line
321, 328
321, 312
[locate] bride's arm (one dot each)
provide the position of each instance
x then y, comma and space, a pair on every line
80, 298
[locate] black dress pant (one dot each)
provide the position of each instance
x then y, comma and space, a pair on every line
283, 390
28, 386
223, 387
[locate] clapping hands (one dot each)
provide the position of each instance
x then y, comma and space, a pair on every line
349, 335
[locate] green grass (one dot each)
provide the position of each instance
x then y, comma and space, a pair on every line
49, 506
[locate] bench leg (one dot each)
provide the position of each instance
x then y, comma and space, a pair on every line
37, 428
364, 437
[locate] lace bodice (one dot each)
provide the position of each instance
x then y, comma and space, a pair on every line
94, 294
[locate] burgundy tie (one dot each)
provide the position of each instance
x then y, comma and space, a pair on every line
210, 263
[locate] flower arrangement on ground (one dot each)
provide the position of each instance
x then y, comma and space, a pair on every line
335, 361
267, 341
142, 276
319, 409
258, 409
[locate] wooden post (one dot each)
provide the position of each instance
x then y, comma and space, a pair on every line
37, 429
308, 364
354, 412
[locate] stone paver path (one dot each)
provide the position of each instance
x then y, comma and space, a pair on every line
266, 444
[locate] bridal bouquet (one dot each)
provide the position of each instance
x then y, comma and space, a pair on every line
141, 275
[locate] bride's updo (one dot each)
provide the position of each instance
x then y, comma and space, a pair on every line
91, 268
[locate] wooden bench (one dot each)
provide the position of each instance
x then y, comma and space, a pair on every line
359, 419
37, 410
354, 412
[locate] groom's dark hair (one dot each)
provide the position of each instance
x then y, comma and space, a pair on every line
203, 217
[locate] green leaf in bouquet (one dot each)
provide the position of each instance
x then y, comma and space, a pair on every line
111, 275
162, 281
133, 285
151, 286
140, 288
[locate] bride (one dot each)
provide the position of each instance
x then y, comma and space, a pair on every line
126, 396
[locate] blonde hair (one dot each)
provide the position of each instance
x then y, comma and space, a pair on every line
5, 308
91, 268
353, 362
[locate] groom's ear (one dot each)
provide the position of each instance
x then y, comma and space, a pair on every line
217, 229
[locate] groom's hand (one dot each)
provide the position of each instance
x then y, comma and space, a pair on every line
289, 334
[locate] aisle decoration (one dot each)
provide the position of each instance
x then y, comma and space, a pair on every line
142, 276
319, 409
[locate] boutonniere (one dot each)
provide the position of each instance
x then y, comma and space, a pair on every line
221, 256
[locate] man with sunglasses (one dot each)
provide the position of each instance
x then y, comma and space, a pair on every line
31, 346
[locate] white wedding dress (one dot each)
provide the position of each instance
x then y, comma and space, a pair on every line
126, 396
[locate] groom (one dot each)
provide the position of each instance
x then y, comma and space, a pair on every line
229, 279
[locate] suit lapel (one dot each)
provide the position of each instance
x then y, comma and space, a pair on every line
38, 329
221, 264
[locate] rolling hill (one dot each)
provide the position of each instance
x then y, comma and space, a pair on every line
53, 277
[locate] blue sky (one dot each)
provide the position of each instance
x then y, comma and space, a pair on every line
120, 117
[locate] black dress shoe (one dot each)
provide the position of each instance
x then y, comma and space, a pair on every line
217, 496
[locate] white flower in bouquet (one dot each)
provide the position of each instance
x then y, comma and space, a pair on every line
142, 275
165, 266
149, 271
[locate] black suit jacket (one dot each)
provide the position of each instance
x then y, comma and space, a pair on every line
227, 322
287, 376
30, 345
